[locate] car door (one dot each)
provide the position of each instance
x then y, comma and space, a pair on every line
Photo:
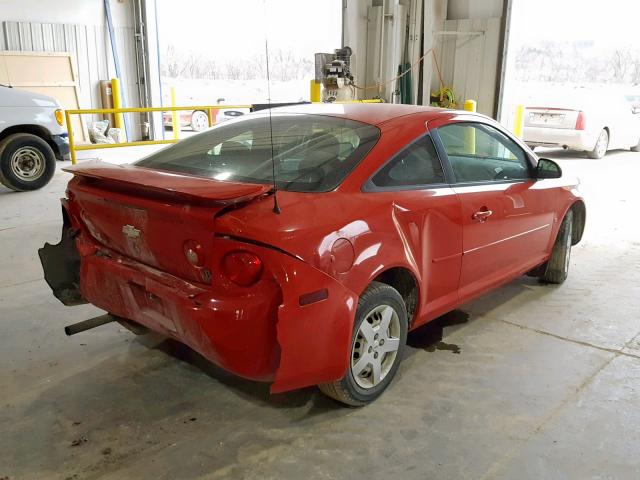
507, 215
428, 217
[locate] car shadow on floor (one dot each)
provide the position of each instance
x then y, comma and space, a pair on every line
251, 390
430, 337
298, 405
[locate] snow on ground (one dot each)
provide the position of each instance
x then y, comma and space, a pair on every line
234, 92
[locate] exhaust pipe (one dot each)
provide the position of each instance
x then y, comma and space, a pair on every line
89, 324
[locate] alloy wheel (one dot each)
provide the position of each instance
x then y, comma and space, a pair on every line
375, 346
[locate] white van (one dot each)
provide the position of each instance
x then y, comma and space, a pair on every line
32, 136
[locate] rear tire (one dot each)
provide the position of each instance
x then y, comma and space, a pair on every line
379, 339
557, 268
602, 145
27, 162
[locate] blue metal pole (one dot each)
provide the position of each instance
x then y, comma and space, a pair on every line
116, 62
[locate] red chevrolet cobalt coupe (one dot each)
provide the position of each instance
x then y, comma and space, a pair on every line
300, 248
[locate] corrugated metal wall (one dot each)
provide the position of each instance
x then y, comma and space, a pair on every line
469, 60
90, 48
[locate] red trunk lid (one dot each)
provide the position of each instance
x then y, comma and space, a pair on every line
152, 216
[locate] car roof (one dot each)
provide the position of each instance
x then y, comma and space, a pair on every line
372, 113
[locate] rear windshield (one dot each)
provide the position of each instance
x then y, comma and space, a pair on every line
312, 153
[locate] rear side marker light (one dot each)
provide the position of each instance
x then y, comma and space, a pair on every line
581, 121
242, 268
313, 297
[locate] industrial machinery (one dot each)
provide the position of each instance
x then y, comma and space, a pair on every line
333, 71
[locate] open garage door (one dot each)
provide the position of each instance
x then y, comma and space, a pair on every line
575, 67
214, 52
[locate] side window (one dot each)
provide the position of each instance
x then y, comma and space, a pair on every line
480, 153
416, 165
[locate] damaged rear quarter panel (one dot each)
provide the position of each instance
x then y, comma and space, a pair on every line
314, 340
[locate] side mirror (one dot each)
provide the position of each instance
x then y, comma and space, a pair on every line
635, 109
548, 169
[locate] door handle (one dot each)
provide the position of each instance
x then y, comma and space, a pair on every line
482, 215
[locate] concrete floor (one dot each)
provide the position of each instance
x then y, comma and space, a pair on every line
528, 382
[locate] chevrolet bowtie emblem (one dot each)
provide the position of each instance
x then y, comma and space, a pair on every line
131, 231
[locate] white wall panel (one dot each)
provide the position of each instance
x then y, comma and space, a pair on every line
90, 48
469, 60
73, 12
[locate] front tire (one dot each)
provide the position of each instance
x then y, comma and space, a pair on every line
636, 148
27, 162
602, 145
379, 339
557, 268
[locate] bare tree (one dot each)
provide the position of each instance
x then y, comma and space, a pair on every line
621, 63
635, 73
171, 62
234, 71
576, 62
209, 70
284, 64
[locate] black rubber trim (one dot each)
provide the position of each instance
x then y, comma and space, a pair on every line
61, 144
442, 154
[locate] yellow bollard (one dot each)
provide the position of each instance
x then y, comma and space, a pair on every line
210, 117
72, 145
518, 121
470, 132
174, 115
117, 104
470, 105
315, 93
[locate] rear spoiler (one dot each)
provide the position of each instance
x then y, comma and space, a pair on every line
182, 186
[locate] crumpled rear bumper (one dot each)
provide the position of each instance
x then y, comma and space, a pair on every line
260, 333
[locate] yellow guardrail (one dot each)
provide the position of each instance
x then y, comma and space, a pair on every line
117, 112
73, 148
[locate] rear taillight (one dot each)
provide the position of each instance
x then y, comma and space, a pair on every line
581, 121
241, 267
